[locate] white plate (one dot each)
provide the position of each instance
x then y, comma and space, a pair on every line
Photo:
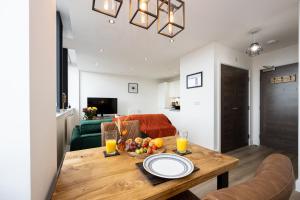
171, 166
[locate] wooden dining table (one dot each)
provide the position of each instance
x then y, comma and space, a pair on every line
87, 174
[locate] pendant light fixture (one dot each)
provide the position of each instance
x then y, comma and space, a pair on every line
255, 48
142, 13
108, 7
171, 17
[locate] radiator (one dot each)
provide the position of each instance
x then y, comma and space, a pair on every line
65, 124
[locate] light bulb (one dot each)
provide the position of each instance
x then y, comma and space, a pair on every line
254, 47
106, 5
143, 5
170, 27
143, 18
172, 16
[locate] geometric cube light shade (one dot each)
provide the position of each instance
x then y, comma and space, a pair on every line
171, 17
142, 13
107, 7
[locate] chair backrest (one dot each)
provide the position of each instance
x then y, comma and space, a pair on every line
274, 180
133, 128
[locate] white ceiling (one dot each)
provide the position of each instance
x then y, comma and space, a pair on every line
126, 46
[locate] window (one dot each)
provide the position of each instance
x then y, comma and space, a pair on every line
61, 67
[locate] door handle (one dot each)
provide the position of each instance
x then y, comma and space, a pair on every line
235, 108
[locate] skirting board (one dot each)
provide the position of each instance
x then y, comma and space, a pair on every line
298, 185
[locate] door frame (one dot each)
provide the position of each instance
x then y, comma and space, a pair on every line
218, 117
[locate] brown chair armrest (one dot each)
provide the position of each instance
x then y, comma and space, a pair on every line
274, 180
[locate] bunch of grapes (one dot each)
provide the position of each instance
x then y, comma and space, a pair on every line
131, 146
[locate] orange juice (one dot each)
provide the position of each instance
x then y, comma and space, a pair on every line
182, 144
110, 146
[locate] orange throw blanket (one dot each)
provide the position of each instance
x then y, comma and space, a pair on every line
154, 125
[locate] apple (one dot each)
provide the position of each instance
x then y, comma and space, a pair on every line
154, 147
149, 151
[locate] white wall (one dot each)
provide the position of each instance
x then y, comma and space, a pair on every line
14, 86
279, 57
115, 86
197, 105
192, 99
174, 88
42, 96
27, 80
201, 107
166, 90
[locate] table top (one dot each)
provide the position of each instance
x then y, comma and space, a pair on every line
86, 174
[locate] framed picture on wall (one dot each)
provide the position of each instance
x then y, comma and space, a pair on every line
194, 80
133, 88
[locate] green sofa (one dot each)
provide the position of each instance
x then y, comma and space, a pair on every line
87, 134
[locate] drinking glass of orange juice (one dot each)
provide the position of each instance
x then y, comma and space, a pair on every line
111, 141
182, 141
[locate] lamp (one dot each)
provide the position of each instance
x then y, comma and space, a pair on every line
171, 17
142, 13
255, 48
107, 7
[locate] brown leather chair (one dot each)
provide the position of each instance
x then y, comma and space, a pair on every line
274, 180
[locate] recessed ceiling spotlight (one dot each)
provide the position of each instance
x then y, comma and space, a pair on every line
111, 21
172, 40
146, 59
101, 50
272, 41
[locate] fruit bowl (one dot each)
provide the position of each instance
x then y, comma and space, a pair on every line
145, 155
143, 148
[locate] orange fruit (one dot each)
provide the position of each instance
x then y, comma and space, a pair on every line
159, 142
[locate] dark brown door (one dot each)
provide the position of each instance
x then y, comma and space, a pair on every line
234, 108
279, 109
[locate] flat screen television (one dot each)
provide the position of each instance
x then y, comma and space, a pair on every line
104, 105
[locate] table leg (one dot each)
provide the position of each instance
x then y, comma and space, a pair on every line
222, 181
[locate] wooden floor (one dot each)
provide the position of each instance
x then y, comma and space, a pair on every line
250, 158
